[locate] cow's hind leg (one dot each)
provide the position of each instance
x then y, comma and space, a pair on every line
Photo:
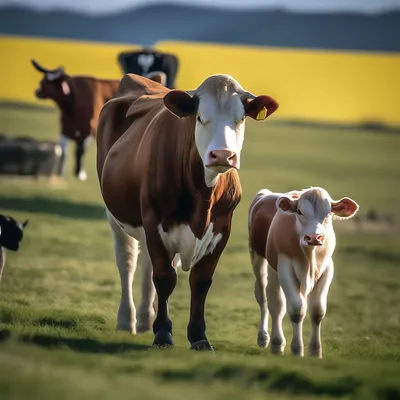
145, 314
260, 269
126, 253
277, 309
317, 301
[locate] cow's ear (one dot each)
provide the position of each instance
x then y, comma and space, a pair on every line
344, 208
286, 205
260, 108
65, 87
181, 103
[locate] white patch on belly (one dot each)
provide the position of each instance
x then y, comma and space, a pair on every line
191, 250
180, 242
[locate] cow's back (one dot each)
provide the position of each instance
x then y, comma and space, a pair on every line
134, 134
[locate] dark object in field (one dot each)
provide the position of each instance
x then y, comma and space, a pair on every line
147, 61
11, 234
28, 157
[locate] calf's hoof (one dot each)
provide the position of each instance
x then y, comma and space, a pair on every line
317, 353
163, 339
263, 339
126, 327
201, 345
297, 351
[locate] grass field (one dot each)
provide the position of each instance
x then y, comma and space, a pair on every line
60, 293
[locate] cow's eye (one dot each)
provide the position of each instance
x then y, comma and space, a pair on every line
199, 119
299, 212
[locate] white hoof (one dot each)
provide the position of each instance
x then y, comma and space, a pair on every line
82, 176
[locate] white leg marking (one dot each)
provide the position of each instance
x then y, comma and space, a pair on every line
317, 301
146, 312
277, 309
260, 270
126, 253
296, 302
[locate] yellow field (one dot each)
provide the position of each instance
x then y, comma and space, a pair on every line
325, 86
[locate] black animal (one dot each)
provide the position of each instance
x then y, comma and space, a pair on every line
11, 234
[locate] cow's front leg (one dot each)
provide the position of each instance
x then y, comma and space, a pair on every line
164, 278
296, 303
317, 301
63, 156
81, 148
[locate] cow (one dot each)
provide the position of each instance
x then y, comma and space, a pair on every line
291, 243
167, 163
79, 99
11, 233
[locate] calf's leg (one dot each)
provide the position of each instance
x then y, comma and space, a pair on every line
317, 301
296, 303
126, 253
260, 269
277, 309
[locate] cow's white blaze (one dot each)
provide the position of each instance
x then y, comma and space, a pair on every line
219, 126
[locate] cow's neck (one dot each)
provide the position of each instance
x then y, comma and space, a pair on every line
207, 198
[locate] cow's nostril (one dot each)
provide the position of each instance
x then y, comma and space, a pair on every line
213, 155
320, 238
307, 238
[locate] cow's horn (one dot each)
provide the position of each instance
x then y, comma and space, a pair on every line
45, 70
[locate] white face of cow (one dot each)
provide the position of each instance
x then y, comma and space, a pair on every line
220, 106
314, 209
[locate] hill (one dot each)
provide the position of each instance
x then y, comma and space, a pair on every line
147, 25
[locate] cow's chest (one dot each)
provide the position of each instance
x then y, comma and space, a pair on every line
181, 240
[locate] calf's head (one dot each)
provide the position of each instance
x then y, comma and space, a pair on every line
313, 209
220, 106
53, 85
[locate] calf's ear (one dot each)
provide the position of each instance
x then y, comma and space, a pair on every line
181, 103
286, 205
260, 107
344, 208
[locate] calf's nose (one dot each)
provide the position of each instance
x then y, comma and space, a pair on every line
314, 239
222, 158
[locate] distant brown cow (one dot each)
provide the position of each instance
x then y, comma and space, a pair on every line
79, 98
291, 241
167, 164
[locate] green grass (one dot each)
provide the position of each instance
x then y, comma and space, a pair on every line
60, 293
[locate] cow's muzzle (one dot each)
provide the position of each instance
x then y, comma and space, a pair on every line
222, 160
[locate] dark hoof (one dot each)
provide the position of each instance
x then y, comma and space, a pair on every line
202, 345
163, 339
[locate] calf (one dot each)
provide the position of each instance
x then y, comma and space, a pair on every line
11, 233
167, 164
291, 243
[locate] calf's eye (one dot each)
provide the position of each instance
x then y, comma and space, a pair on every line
299, 212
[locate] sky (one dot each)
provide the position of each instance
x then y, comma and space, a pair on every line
114, 6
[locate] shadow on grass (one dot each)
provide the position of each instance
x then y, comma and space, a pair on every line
45, 205
275, 380
76, 344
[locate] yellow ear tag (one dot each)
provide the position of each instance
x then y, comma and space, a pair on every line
262, 114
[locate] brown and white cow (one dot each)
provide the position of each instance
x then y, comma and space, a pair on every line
167, 164
291, 243
79, 99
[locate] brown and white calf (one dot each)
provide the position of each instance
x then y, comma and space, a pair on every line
167, 164
291, 243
